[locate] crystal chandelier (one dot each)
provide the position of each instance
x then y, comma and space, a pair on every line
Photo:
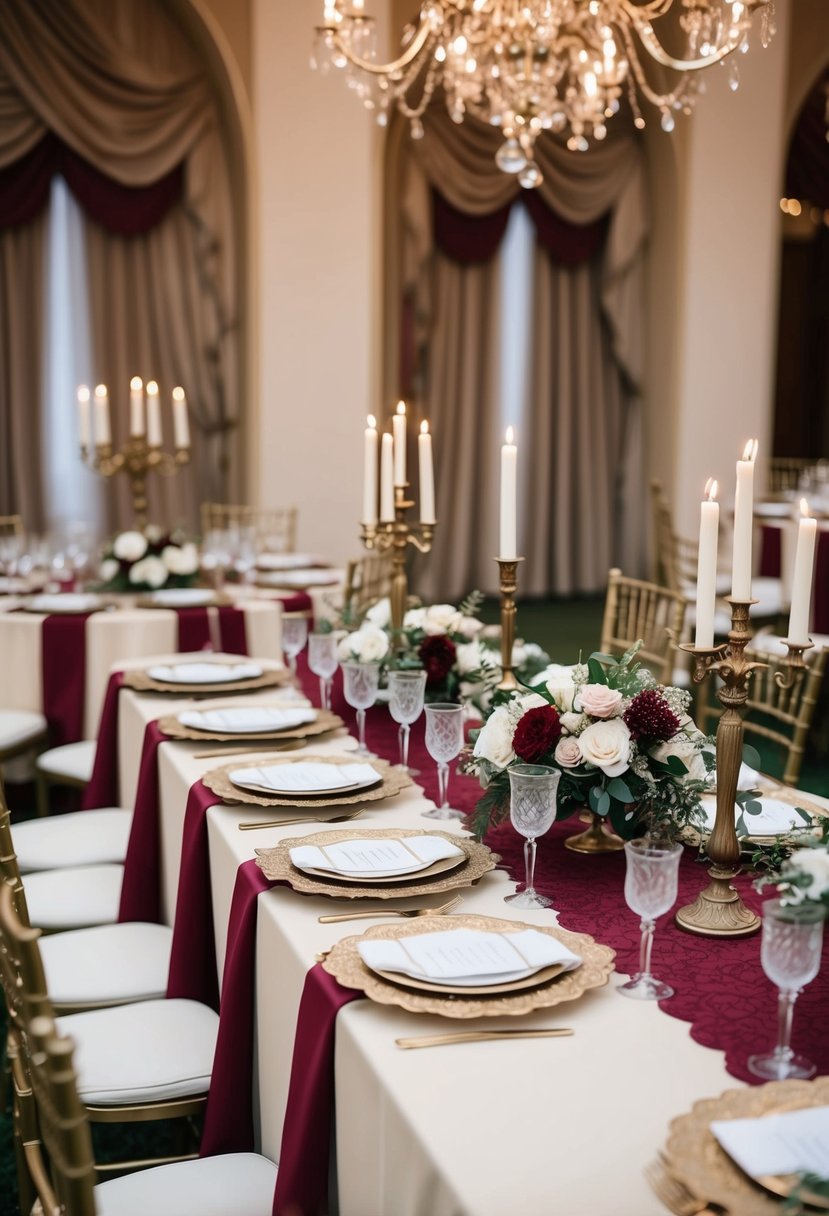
531, 65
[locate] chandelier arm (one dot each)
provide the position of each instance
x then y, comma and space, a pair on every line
660, 100
411, 53
656, 51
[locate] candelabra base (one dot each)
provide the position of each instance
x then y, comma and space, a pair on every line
598, 838
718, 911
508, 683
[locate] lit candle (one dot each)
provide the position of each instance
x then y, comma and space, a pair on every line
804, 561
137, 407
84, 419
370, 441
743, 524
386, 479
399, 430
509, 462
153, 415
427, 475
181, 424
103, 435
709, 523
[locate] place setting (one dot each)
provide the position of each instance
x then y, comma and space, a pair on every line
307, 784
66, 603
201, 676
258, 723
183, 597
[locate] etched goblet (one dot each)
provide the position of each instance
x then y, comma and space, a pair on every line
444, 740
294, 637
322, 659
532, 809
360, 682
651, 881
406, 690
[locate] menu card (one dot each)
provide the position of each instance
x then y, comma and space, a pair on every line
791, 1143
468, 956
303, 777
375, 857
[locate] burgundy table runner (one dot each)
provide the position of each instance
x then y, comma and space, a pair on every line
194, 629
102, 789
63, 675
297, 601
141, 889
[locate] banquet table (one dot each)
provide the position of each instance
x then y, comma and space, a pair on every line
558, 1126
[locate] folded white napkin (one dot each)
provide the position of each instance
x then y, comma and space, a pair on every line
748, 778
69, 601
205, 673
246, 719
775, 819
370, 857
304, 578
286, 561
792, 1143
468, 956
182, 597
306, 775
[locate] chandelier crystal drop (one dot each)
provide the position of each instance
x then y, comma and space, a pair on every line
527, 66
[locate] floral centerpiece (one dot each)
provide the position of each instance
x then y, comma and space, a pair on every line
804, 875
148, 561
626, 747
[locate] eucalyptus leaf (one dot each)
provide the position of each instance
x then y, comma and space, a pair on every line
597, 673
617, 788
751, 756
603, 803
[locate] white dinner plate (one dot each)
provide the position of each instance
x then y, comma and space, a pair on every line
246, 721
376, 857
287, 561
183, 597
204, 673
431, 958
300, 578
68, 603
306, 778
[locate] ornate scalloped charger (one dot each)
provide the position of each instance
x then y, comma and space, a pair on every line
323, 722
696, 1159
783, 793
479, 859
393, 780
346, 965
142, 681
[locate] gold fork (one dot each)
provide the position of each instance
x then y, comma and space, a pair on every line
289, 823
675, 1194
405, 912
482, 1036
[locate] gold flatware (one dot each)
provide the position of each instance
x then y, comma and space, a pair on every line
405, 912
482, 1036
290, 745
288, 823
675, 1194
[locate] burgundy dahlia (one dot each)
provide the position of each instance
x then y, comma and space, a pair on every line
537, 733
650, 716
437, 654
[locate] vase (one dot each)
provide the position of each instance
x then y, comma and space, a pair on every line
599, 838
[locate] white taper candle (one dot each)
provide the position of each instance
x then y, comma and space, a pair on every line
709, 524
427, 475
136, 407
181, 423
103, 434
743, 524
386, 479
84, 418
509, 463
399, 430
154, 434
804, 562
370, 442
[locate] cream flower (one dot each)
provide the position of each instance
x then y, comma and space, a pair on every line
150, 570
561, 688
574, 723
414, 618
607, 745
469, 656
684, 748
367, 645
568, 752
441, 618
470, 626
815, 864
379, 614
130, 546
533, 700
599, 701
109, 569
494, 743
180, 559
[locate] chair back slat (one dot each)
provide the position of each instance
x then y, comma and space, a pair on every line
636, 610
275, 527
367, 580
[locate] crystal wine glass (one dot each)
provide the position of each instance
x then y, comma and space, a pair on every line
651, 881
444, 740
322, 659
360, 682
532, 809
790, 953
405, 706
294, 637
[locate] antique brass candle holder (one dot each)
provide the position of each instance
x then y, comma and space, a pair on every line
137, 459
508, 574
394, 537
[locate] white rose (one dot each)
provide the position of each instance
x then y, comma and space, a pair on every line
568, 752
153, 533
441, 618
470, 626
600, 701
414, 618
180, 559
561, 688
150, 570
494, 743
344, 652
469, 657
815, 863
519, 655
607, 745
109, 569
533, 700
130, 546
379, 614
369, 644
574, 723
684, 748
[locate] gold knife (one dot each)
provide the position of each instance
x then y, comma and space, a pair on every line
482, 1036
290, 745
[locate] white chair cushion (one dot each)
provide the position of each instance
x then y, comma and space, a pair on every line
70, 899
82, 838
18, 726
73, 760
107, 965
149, 1052
239, 1183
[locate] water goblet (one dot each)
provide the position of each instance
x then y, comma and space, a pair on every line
294, 637
405, 706
651, 881
444, 740
322, 659
532, 809
790, 952
360, 682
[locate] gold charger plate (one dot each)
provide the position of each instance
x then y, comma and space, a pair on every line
393, 780
276, 865
696, 1159
441, 866
323, 722
542, 976
213, 600
142, 681
346, 965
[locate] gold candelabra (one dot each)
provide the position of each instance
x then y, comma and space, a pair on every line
718, 911
508, 576
394, 537
137, 459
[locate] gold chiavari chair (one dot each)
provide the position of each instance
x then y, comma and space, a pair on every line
635, 609
367, 580
778, 715
275, 526
11, 525
784, 473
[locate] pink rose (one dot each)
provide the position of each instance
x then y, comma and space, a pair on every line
568, 753
599, 701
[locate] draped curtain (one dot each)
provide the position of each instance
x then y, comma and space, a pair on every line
581, 505
112, 96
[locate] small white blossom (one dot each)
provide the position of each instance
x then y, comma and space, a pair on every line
130, 546
150, 571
